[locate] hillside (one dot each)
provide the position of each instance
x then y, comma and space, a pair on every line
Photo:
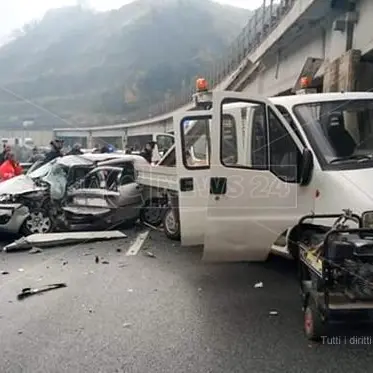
94, 68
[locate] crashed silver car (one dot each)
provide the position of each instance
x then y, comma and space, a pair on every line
94, 190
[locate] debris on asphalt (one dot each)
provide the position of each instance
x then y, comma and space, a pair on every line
105, 262
27, 292
258, 285
4, 272
21, 270
153, 227
35, 250
119, 250
127, 325
97, 259
273, 313
65, 263
130, 290
149, 254
58, 239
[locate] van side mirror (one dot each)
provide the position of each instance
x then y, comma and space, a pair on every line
306, 167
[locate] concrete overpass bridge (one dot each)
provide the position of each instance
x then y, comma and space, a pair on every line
329, 40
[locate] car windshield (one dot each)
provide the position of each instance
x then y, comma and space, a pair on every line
41, 171
340, 132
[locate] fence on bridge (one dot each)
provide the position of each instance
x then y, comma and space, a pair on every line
260, 25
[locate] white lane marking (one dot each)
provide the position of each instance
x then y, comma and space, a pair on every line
137, 245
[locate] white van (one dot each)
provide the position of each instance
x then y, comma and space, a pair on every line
268, 163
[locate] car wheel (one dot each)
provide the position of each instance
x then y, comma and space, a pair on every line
37, 222
152, 212
171, 225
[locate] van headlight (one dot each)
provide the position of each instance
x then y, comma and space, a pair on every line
367, 219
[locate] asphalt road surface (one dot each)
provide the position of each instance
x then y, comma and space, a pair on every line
170, 313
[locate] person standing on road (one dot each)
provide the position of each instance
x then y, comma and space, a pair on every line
147, 153
104, 149
36, 156
55, 152
18, 151
76, 150
6, 149
10, 168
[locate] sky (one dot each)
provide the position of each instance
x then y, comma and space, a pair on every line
15, 13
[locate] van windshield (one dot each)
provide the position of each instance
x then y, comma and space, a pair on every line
340, 132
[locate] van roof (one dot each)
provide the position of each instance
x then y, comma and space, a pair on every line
309, 98
320, 97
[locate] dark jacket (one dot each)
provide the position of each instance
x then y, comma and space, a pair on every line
75, 152
147, 154
2, 157
52, 154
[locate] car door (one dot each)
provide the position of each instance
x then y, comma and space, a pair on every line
97, 193
253, 201
76, 174
193, 163
130, 192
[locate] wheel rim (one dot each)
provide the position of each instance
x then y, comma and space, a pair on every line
308, 321
37, 222
153, 214
171, 223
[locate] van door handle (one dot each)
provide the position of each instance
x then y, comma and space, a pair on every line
186, 184
218, 185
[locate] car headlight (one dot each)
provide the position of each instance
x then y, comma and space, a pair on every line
367, 219
6, 198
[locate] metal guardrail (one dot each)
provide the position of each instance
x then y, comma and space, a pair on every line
260, 25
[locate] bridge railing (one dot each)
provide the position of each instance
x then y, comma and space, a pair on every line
264, 20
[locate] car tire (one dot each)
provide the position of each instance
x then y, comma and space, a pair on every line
37, 221
315, 326
152, 212
171, 225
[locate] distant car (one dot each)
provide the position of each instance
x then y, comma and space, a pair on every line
98, 190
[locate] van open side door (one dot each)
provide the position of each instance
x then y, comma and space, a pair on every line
192, 133
252, 199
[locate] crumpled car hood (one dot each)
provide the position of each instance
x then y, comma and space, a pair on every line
18, 185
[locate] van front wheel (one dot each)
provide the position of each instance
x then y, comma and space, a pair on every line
171, 225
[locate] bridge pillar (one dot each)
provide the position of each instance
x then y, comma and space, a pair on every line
124, 139
90, 140
342, 73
